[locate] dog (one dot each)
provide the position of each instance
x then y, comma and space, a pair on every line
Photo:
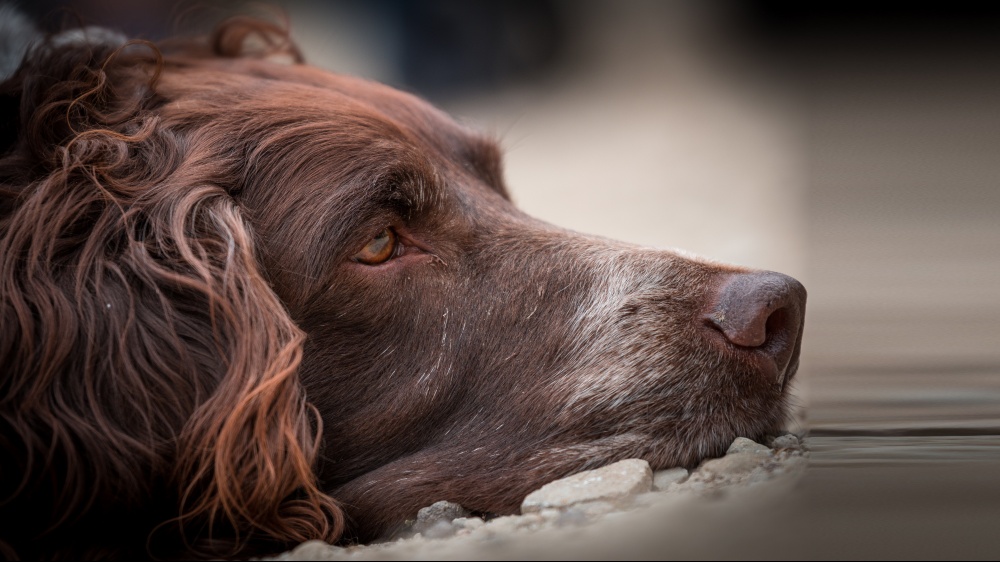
245, 302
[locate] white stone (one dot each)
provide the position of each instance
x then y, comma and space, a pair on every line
664, 478
314, 550
441, 511
744, 445
615, 483
733, 464
595, 508
440, 529
786, 442
550, 514
468, 522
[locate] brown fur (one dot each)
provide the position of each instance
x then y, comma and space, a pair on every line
193, 365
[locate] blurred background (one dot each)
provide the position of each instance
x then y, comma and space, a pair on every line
853, 145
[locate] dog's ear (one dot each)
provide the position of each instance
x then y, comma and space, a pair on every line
147, 366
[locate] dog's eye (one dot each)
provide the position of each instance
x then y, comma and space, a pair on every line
379, 249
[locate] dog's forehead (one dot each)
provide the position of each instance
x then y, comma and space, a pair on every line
351, 109
307, 90
431, 125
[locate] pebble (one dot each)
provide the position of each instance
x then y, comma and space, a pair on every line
438, 512
440, 529
510, 523
615, 484
593, 509
312, 550
664, 478
550, 514
469, 523
744, 445
571, 518
731, 464
786, 442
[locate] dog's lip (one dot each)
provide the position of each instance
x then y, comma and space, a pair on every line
763, 359
766, 366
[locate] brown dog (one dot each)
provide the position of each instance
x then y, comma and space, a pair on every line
240, 299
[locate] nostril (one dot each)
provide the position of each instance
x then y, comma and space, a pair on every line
777, 323
754, 330
738, 331
753, 308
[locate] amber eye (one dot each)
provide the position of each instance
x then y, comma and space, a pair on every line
379, 249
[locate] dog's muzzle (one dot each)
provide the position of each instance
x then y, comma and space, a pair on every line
762, 314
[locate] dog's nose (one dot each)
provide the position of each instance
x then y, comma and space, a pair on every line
754, 307
762, 311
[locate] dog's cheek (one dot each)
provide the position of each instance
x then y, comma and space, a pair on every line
380, 364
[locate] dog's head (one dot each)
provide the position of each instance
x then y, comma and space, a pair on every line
233, 289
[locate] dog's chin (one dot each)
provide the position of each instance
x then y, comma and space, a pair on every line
666, 445
661, 449
668, 432
706, 443
709, 433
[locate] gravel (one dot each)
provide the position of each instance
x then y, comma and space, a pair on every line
561, 510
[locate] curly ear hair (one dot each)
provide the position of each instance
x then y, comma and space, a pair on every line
149, 396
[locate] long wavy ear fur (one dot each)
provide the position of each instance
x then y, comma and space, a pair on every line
149, 400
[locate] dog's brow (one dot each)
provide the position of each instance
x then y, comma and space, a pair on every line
486, 160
